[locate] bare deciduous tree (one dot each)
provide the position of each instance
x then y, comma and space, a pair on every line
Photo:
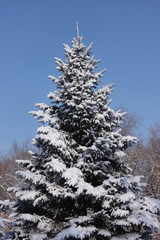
144, 159
8, 167
152, 154
131, 123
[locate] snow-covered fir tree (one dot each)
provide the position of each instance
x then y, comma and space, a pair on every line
78, 185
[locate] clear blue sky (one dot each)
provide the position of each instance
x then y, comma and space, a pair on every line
126, 36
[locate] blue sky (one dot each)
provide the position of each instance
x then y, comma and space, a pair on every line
126, 36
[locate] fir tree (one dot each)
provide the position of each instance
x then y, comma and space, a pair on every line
78, 185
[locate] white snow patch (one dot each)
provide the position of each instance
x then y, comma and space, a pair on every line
40, 236
104, 233
55, 165
120, 213
76, 232
72, 175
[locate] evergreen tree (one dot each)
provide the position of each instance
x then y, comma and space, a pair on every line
78, 185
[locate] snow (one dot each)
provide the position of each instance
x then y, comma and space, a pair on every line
148, 220
55, 96
43, 226
119, 154
84, 187
123, 223
42, 106
78, 232
29, 217
54, 138
88, 49
26, 162
27, 194
35, 177
58, 191
73, 176
55, 165
152, 205
13, 189
104, 232
133, 220
120, 213
43, 117
43, 223
80, 219
40, 199
106, 204
6, 204
127, 197
39, 236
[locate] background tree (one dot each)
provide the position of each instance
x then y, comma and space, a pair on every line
131, 123
8, 167
153, 159
145, 160
144, 157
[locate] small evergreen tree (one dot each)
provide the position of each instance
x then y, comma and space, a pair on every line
78, 186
